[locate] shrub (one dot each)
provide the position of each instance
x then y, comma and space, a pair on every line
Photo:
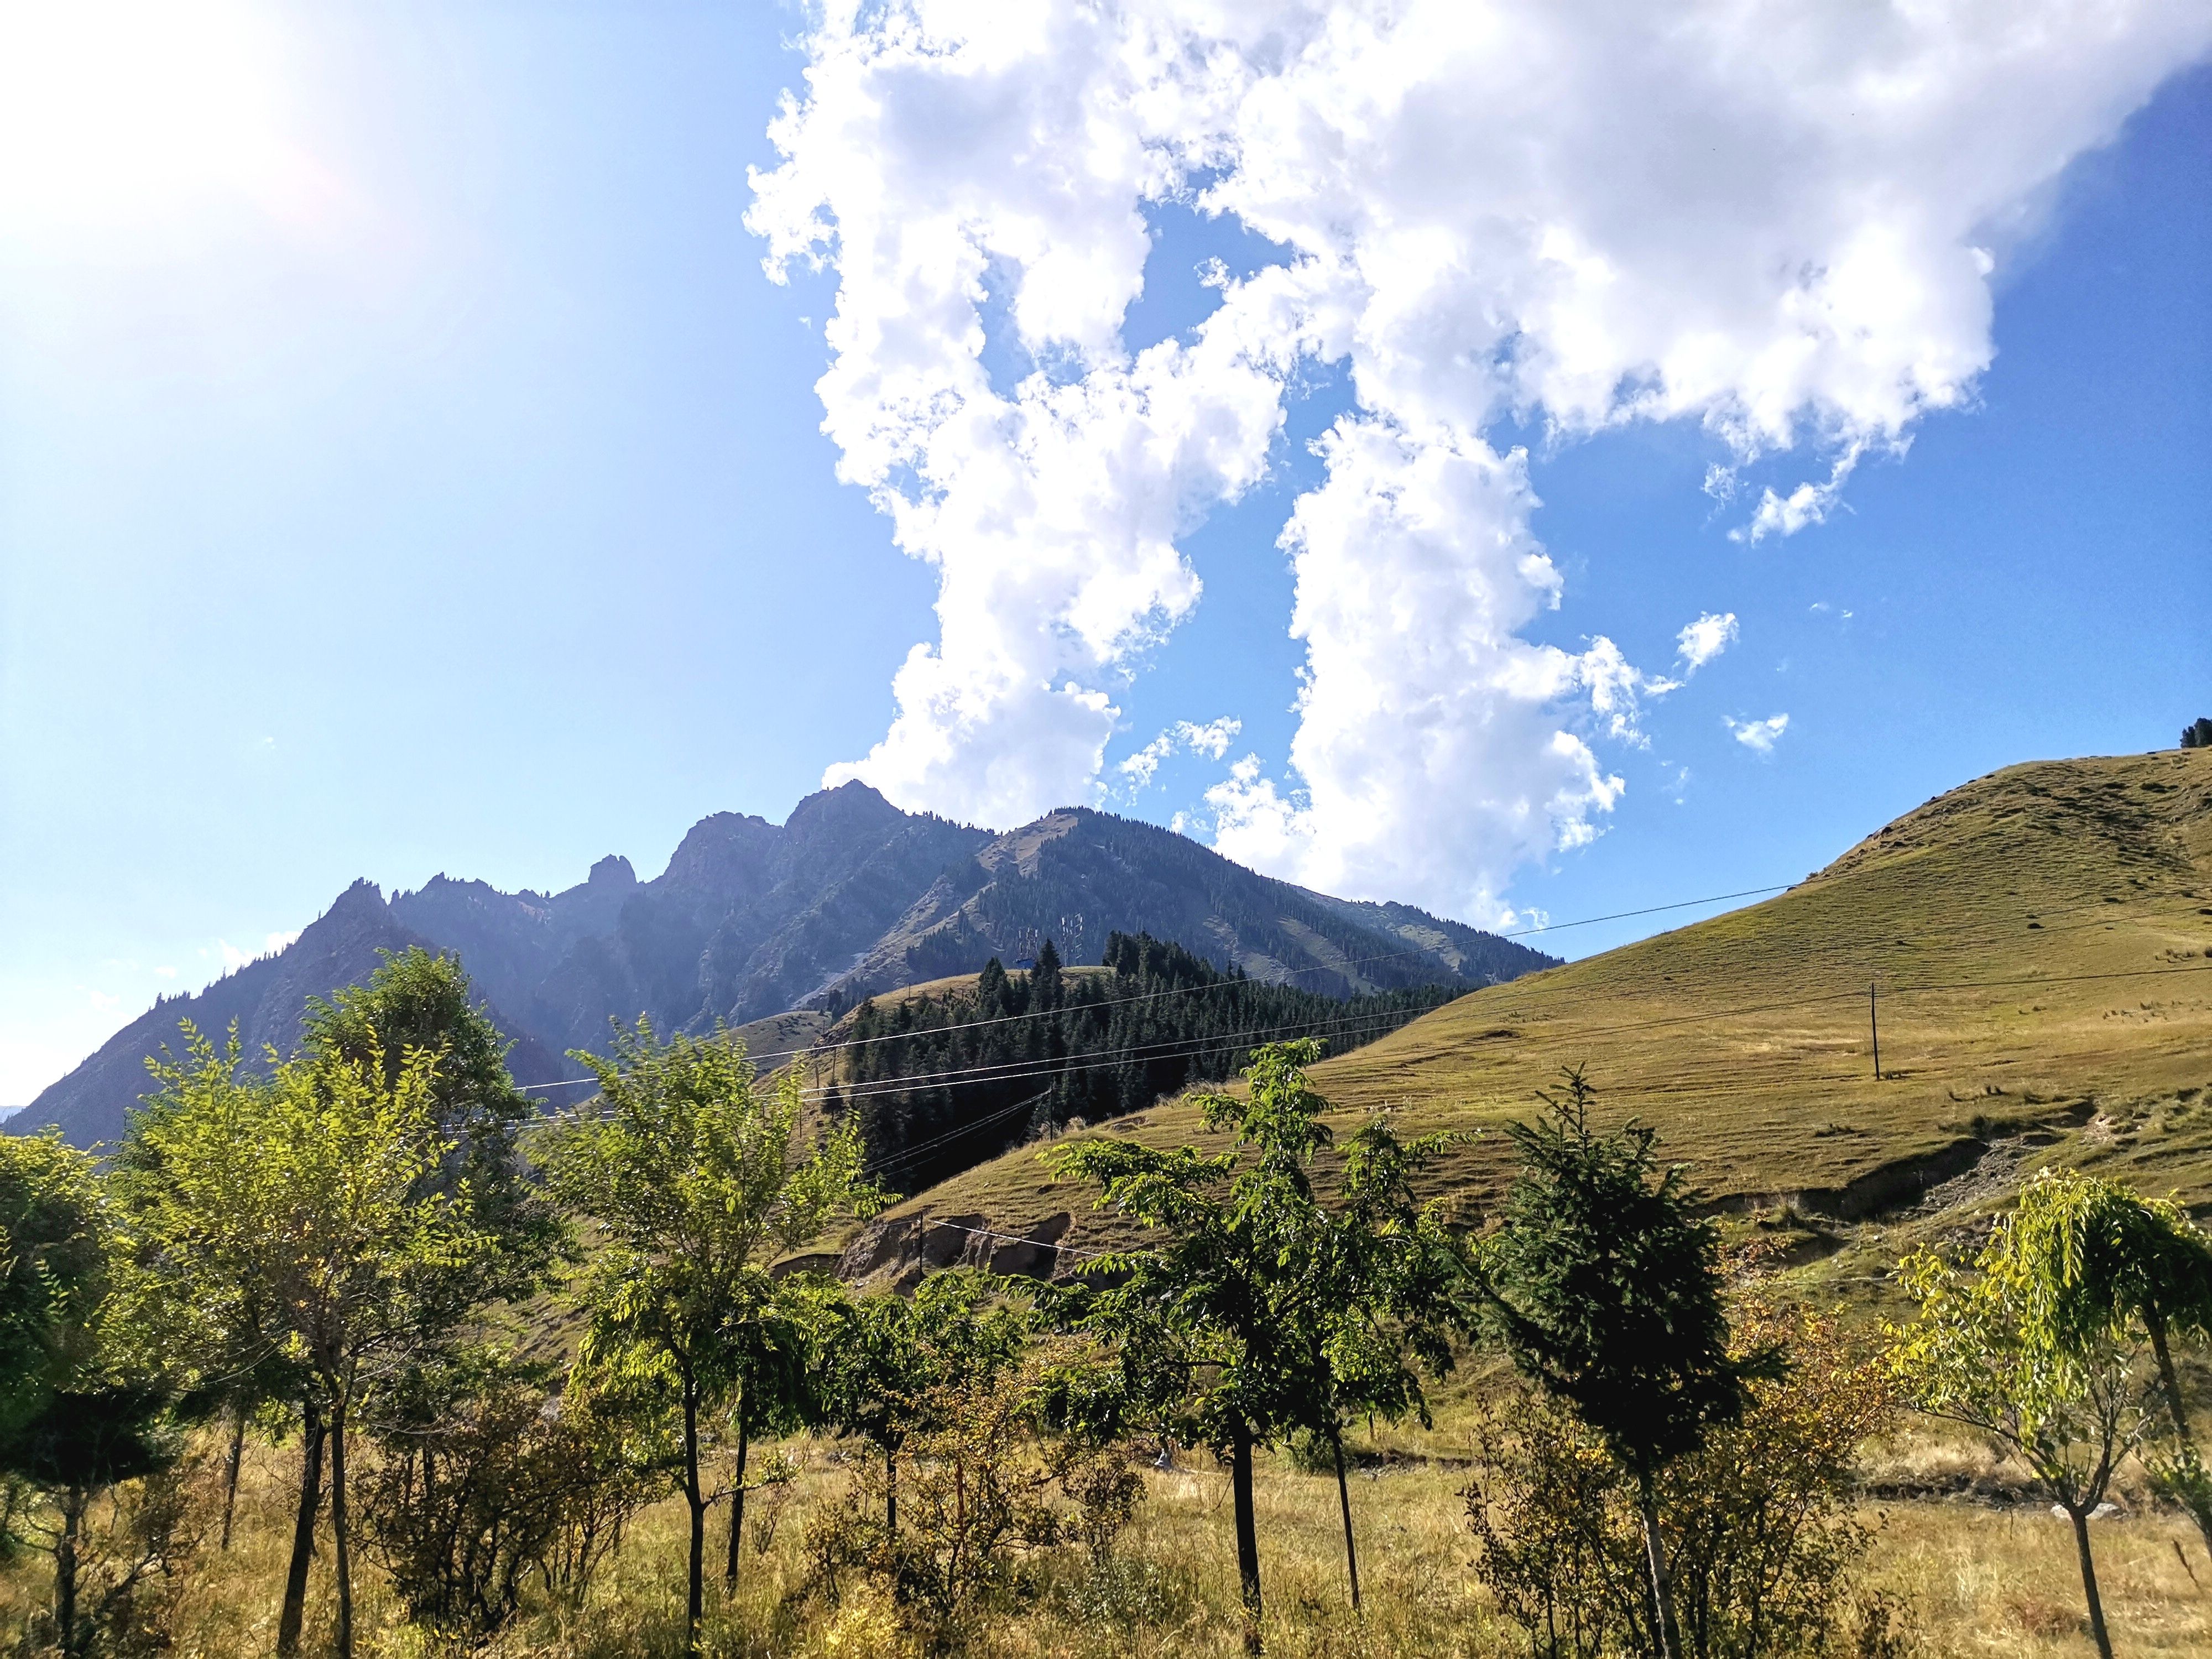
500, 1487
984, 1488
1759, 1524
133, 1556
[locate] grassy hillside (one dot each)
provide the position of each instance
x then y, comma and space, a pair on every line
2040, 941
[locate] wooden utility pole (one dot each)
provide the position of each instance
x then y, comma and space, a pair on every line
1874, 1024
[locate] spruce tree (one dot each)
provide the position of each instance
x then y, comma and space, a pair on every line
1605, 1284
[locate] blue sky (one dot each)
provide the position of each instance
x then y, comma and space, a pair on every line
457, 502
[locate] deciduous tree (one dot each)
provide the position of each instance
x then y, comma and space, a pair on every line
692, 1175
1215, 1325
84, 1398
2100, 1258
1984, 1352
304, 1212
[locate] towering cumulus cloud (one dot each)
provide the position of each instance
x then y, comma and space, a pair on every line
1768, 216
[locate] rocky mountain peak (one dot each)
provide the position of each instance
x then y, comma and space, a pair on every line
612, 871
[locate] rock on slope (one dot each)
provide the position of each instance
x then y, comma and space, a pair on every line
849, 897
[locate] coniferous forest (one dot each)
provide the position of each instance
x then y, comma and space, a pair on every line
940, 1082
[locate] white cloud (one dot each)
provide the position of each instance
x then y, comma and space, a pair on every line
1759, 736
165, 973
1768, 218
1705, 639
1807, 504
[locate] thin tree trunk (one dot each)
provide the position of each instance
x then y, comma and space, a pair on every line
737, 1508
1662, 1586
303, 1531
340, 1537
2081, 1519
890, 1492
73, 1508
695, 1602
2193, 1498
230, 1470
1344, 1501
1248, 1533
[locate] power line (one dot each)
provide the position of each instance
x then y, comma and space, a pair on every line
1337, 968
1015, 1070
1525, 987
1757, 1008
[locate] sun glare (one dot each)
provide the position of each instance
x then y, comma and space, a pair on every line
122, 116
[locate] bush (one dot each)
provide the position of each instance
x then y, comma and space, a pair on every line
501, 1486
1758, 1523
2198, 734
133, 1557
982, 1489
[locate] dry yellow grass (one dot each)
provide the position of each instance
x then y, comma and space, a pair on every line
1979, 1581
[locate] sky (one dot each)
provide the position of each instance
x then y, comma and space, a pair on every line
1531, 461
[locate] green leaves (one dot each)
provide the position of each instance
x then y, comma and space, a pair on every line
691, 1174
61, 1259
2097, 1255
295, 1216
1996, 1349
1605, 1286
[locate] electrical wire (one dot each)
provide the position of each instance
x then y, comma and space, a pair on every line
1187, 990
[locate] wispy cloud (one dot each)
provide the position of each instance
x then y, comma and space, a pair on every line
234, 957
1212, 740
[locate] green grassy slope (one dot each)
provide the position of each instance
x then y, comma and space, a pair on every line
2041, 940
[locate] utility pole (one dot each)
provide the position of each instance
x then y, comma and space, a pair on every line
1874, 1024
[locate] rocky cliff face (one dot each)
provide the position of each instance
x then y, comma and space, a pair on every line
847, 897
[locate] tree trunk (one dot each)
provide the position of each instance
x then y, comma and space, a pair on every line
1247, 1534
303, 1531
230, 1470
695, 1602
1344, 1501
890, 1492
736, 1509
2081, 1519
2194, 1499
74, 1502
1662, 1586
340, 1537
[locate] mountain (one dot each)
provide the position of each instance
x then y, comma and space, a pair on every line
264, 998
847, 897
2038, 945
1075, 875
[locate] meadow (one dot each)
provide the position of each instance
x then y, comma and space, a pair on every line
1994, 1575
2039, 946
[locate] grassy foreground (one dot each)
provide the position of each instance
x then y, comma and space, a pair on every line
1994, 1577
